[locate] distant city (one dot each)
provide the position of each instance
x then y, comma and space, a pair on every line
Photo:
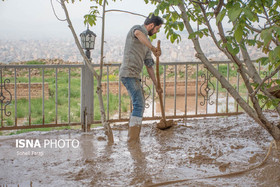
26, 50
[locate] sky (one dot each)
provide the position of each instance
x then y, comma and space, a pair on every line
34, 19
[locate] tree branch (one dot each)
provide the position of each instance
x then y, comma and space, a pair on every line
106, 125
265, 79
219, 7
199, 2
252, 72
216, 41
55, 12
86, 60
254, 100
102, 46
253, 28
266, 15
124, 11
207, 23
218, 75
275, 40
255, 76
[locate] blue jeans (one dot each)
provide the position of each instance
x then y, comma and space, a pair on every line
135, 90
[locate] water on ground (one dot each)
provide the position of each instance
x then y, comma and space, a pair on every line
194, 149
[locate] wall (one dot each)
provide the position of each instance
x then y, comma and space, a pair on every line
114, 87
23, 90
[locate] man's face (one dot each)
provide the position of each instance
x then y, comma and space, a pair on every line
154, 29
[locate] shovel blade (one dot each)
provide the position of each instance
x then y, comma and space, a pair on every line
163, 124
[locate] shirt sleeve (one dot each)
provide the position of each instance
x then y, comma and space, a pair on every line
138, 27
149, 61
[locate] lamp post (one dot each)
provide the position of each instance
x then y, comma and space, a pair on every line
88, 41
87, 102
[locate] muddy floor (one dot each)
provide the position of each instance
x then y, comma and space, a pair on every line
192, 150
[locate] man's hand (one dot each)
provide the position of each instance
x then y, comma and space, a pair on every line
156, 52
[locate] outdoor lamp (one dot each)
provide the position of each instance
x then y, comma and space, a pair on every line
88, 41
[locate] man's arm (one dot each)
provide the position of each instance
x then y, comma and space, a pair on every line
144, 40
151, 73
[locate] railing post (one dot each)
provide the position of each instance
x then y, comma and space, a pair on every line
86, 98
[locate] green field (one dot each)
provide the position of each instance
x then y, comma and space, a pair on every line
36, 104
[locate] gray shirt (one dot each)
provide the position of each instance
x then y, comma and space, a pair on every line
136, 54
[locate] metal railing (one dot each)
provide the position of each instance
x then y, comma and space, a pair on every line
199, 98
189, 90
24, 76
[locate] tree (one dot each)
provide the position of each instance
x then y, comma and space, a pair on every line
91, 19
253, 23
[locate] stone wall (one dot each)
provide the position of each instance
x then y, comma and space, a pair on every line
36, 90
114, 88
180, 85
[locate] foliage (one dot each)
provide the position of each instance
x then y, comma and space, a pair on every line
92, 16
34, 62
252, 23
239, 24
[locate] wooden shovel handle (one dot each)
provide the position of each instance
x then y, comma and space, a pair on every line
159, 85
157, 65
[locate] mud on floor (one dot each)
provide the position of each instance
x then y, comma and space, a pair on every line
190, 150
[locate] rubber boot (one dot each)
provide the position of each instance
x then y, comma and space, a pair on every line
133, 135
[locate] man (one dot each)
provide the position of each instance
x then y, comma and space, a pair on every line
137, 52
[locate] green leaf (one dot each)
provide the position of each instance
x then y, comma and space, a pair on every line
263, 60
249, 14
153, 37
271, 56
174, 17
251, 42
172, 38
275, 102
269, 104
260, 97
235, 51
277, 64
255, 85
212, 3
156, 12
277, 51
90, 19
232, 50
234, 12
192, 35
270, 67
221, 16
277, 30
266, 35
238, 33
181, 26
200, 34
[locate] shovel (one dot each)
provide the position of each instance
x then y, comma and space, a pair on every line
163, 124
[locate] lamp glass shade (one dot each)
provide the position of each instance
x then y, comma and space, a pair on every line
88, 39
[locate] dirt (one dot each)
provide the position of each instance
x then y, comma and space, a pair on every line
195, 149
164, 124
